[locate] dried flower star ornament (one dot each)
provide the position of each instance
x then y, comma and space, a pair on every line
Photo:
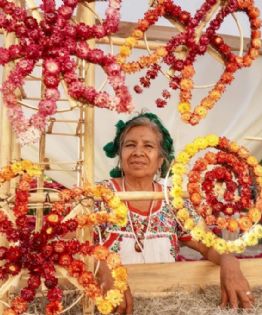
54, 41
219, 187
44, 254
194, 41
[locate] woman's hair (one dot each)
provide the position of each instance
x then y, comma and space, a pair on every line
112, 149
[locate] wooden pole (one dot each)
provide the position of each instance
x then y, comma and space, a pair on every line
87, 174
7, 139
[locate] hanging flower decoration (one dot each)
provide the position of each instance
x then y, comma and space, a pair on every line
219, 187
55, 40
44, 253
181, 70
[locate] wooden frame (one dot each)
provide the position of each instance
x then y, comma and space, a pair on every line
161, 279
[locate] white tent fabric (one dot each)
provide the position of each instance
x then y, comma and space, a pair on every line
236, 115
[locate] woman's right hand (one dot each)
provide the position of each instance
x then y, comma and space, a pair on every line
106, 282
126, 306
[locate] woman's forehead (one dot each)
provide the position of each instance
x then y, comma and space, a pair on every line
145, 133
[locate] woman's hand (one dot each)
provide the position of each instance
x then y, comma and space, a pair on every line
235, 290
126, 307
106, 282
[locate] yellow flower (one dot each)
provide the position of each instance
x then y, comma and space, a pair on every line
178, 202
212, 140
114, 202
121, 210
120, 274
177, 179
189, 224
259, 180
125, 51
186, 84
26, 164
258, 230
113, 260
182, 157
178, 169
234, 147
35, 170
182, 214
251, 160
190, 149
215, 95
232, 247
115, 297
197, 233
104, 306
121, 285
201, 142
201, 111
130, 41
183, 107
238, 246
137, 34
209, 239
250, 239
258, 170
176, 191
220, 245
17, 167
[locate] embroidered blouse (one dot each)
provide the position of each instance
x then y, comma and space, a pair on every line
161, 233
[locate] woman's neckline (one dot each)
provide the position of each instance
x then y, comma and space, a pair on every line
157, 204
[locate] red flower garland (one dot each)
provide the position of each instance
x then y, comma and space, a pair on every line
182, 70
235, 197
54, 40
39, 252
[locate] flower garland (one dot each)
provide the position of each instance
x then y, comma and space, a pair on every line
54, 40
234, 159
40, 252
182, 70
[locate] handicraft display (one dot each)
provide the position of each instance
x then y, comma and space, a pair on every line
54, 41
224, 188
181, 69
45, 253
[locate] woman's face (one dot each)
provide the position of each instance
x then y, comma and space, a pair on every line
140, 155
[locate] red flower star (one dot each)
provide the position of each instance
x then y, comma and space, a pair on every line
55, 41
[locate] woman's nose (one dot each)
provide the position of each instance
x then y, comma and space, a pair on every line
139, 150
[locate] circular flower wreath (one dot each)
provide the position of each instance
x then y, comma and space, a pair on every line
55, 40
45, 253
226, 200
181, 71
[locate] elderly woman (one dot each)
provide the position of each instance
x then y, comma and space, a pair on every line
152, 235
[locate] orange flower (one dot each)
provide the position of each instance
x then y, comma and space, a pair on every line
244, 223
19, 305
54, 308
101, 252
232, 225
254, 214
221, 223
